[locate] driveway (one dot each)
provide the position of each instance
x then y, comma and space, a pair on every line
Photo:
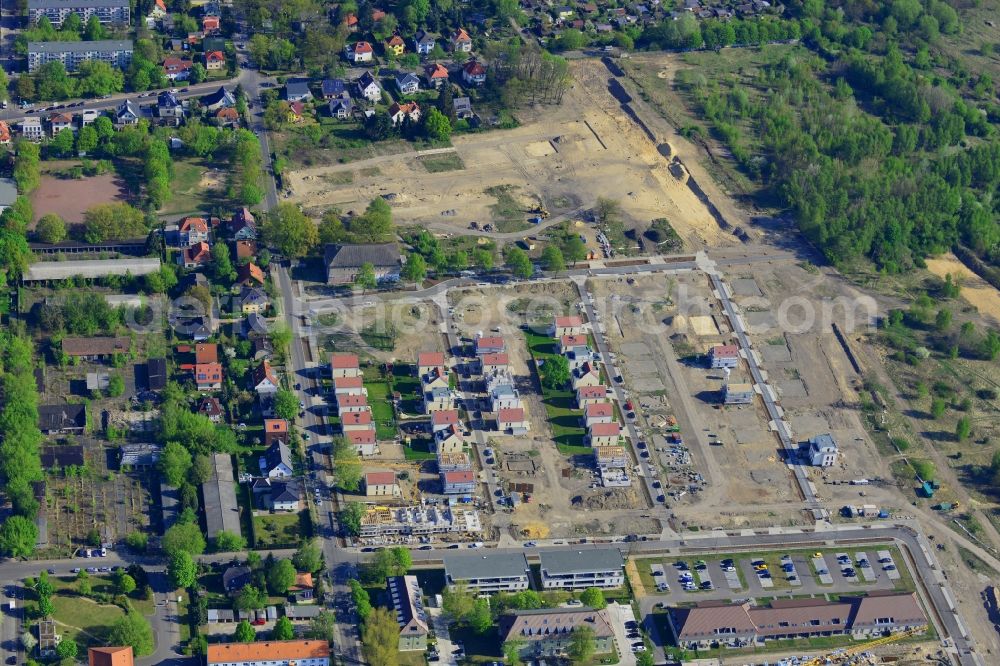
619, 614
444, 645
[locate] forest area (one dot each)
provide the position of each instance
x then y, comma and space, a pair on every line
877, 135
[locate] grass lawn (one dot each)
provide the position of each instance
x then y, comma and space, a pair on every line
507, 213
83, 620
278, 530
406, 383
444, 162
419, 449
479, 648
560, 405
186, 192
381, 404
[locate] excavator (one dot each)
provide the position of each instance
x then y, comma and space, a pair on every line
841, 656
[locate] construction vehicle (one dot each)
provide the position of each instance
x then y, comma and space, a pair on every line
840, 656
540, 211
945, 506
672, 424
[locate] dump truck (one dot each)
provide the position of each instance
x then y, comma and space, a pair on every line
672, 424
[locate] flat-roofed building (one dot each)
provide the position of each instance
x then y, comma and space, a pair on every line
114, 12
117, 53
489, 572
737, 394
89, 269
578, 569
219, 493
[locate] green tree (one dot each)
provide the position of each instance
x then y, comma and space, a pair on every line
98, 78
570, 40
362, 602
644, 658
45, 607
67, 649
573, 248
963, 429
62, 144
50, 229
18, 536
182, 570
308, 557
280, 576
415, 269
457, 603
286, 405
283, 629
555, 372
114, 221
222, 265
288, 229
174, 463
375, 224
346, 465
481, 620
582, 645
186, 537
124, 583
593, 598
943, 319
244, 633
938, 407
116, 386
132, 629
483, 258
552, 259
925, 469
365, 279
228, 542
322, 627
380, 639
197, 72
350, 518
518, 262
250, 598
94, 30
43, 586
437, 126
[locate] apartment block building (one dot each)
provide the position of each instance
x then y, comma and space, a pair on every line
117, 53
490, 572
579, 569
108, 12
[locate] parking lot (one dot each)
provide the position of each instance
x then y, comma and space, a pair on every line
683, 580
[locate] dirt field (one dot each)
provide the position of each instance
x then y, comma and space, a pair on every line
586, 146
390, 331
975, 290
69, 198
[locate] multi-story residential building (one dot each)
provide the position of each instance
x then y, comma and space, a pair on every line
270, 653
737, 394
117, 53
31, 129
114, 12
381, 484
580, 569
427, 362
405, 594
720, 623
344, 365
548, 632
569, 325
724, 356
458, 482
381, 522
439, 399
490, 572
821, 450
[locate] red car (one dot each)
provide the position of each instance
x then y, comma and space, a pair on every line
628, 405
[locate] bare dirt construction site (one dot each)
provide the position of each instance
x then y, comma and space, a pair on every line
660, 328
565, 157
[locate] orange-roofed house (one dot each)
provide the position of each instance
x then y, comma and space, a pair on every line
198, 254
110, 656
570, 325
492, 363
283, 653
399, 112
206, 352
275, 430
359, 52
436, 75
461, 42
208, 376
363, 441
377, 15
344, 365
490, 345
210, 24
356, 421
605, 434
303, 581
193, 230
215, 60
349, 386
514, 420
395, 46
444, 419
427, 361
568, 343
352, 403
599, 412
244, 249
226, 116
458, 482
264, 380
589, 395
4, 133
381, 484
351, 20
295, 111
249, 275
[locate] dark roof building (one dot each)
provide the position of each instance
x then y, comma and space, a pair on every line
62, 456
156, 374
344, 261
62, 418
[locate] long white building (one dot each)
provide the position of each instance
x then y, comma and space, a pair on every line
579, 569
269, 653
117, 53
111, 12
